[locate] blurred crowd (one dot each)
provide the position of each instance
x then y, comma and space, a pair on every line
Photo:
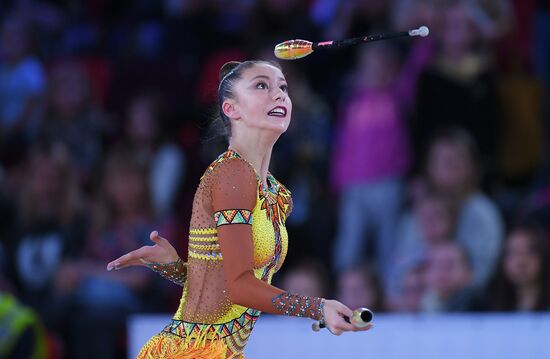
419, 168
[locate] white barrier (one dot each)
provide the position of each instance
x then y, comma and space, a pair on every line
487, 336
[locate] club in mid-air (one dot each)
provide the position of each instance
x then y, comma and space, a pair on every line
296, 49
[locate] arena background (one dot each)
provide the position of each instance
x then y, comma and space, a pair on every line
419, 170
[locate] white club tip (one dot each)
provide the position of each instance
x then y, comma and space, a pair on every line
422, 31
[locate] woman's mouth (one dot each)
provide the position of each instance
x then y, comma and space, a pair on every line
279, 111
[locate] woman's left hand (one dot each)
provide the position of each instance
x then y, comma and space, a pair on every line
334, 318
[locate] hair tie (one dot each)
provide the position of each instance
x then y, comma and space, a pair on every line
229, 74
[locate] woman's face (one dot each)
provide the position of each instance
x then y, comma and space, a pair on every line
355, 290
447, 270
69, 92
449, 166
458, 33
141, 126
435, 220
522, 265
261, 99
126, 188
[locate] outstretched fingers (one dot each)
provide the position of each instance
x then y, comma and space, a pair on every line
132, 258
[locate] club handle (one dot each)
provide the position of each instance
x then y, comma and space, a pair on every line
360, 318
356, 40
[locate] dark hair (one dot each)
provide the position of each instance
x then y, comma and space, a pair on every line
502, 294
230, 73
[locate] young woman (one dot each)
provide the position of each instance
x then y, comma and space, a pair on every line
522, 282
237, 238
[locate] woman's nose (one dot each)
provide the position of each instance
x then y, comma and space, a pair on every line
279, 94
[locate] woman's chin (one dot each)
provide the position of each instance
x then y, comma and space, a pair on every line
279, 126
275, 127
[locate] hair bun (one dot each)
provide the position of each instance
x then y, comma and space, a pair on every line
227, 67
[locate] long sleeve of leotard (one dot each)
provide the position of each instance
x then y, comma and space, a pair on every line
234, 188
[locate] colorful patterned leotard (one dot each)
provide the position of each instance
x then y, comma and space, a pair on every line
237, 241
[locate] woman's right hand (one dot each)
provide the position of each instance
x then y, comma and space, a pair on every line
334, 318
161, 252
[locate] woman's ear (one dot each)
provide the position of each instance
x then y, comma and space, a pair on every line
229, 108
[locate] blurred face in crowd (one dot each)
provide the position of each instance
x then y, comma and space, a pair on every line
141, 126
126, 187
522, 265
356, 289
435, 219
457, 30
303, 281
447, 270
48, 185
450, 167
44, 179
261, 100
70, 90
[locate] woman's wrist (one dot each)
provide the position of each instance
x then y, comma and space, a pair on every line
299, 305
174, 271
321, 311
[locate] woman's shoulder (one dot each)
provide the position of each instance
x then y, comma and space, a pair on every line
480, 208
230, 166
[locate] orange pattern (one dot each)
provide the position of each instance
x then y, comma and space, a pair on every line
168, 346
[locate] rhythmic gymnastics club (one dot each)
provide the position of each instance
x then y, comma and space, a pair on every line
296, 49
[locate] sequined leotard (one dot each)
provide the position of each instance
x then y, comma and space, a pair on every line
237, 241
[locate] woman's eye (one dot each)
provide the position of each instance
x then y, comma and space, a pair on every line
284, 88
261, 85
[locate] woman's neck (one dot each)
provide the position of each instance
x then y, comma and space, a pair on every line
256, 150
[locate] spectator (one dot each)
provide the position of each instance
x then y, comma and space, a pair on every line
73, 119
49, 226
371, 153
451, 170
448, 277
22, 333
431, 222
360, 287
98, 302
459, 88
146, 133
522, 282
411, 291
306, 276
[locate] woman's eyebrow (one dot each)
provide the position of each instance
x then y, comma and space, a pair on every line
267, 78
